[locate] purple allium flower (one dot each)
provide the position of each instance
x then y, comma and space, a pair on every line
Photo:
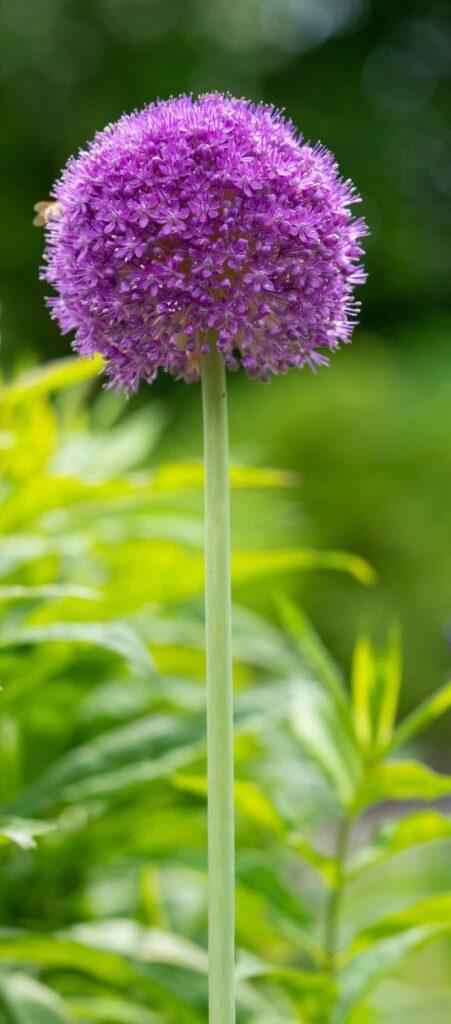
200, 220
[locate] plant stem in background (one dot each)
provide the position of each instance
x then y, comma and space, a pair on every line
219, 693
336, 897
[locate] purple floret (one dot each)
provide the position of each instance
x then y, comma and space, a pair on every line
204, 220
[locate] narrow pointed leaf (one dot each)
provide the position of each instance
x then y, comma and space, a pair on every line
311, 648
117, 637
179, 476
255, 564
317, 725
362, 684
149, 748
391, 670
15, 592
423, 716
109, 966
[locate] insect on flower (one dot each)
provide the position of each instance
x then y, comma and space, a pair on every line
45, 211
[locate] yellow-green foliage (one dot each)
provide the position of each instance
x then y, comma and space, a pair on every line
102, 746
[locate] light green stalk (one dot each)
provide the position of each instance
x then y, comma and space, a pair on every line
338, 890
219, 693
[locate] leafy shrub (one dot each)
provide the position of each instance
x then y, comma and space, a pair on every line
102, 748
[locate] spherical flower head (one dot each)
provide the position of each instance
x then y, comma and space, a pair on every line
203, 221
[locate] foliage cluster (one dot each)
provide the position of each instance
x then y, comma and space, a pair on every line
102, 749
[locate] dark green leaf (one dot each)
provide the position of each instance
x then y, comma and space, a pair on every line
118, 637
133, 754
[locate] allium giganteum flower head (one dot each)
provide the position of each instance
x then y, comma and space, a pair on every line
204, 220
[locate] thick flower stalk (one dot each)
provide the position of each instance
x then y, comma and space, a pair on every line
196, 236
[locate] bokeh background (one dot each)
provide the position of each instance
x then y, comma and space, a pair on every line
371, 437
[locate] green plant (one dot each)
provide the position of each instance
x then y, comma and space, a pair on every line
102, 751
351, 738
101, 647
305, 961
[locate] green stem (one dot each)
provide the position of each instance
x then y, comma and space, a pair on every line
336, 897
219, 693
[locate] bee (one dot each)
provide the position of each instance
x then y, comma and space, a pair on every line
45, 211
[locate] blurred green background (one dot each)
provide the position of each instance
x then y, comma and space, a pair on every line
371, 437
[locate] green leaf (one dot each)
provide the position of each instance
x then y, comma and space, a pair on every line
250, 801
15, 592
362, 1014
435, 910
23, 831
400, 1002
142, 571
95, 457
361, 974
375, 684
53, 951
312, 648
149, 748
249, 967
255, 640
423, 716
390, 667
45, 494
148, 945
395, 836
170, 835
252, 565
26, 1001
52, 376
296, 979
313, 991
180, 476
91, 958
258, 874
16, 549
377, 950
317, 725
402, 780
118, 637
110, 1011
325, 866
362, 683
